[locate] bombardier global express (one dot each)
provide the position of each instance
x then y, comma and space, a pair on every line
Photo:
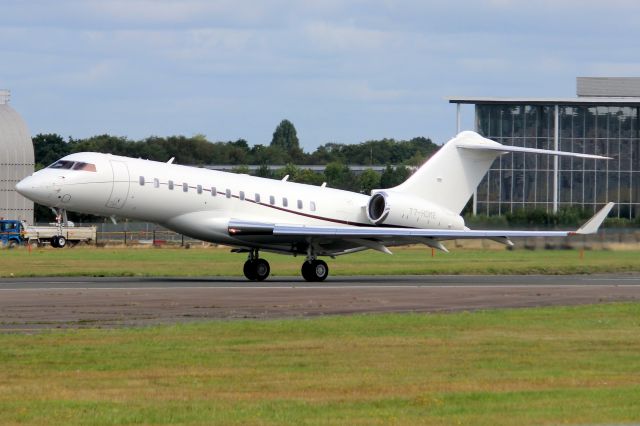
252, 213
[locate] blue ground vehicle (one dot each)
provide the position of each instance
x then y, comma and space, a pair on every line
11, 233
15, 232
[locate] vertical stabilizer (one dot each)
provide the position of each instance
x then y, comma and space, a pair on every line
450, 177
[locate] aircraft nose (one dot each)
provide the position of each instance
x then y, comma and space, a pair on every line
23, 186
30, 188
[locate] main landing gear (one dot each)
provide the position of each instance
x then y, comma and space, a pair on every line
315, 270
256, 269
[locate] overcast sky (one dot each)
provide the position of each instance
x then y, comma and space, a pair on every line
341, 70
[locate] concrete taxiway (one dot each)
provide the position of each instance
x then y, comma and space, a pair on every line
36, 303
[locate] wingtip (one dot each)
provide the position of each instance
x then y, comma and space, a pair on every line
592, 225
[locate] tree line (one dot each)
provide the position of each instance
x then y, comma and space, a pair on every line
284, 149
397, 155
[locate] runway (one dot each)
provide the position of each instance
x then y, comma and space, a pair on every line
28, 304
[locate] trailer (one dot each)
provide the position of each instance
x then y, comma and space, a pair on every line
15, 232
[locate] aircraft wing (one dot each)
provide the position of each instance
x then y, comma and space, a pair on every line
377, 236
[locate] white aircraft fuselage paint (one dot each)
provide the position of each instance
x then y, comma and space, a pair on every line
180, 197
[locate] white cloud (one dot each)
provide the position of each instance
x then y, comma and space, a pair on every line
212, 66
340, 38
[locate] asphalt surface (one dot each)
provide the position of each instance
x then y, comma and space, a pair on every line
29, 304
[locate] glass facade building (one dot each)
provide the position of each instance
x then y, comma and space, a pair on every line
519, 181
607, 126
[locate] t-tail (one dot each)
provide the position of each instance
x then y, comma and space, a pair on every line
449, 178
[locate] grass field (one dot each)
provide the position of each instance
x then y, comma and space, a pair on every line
91, 261
526, 366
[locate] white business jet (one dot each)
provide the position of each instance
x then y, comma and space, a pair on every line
253, 214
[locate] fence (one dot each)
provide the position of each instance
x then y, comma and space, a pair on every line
136, 233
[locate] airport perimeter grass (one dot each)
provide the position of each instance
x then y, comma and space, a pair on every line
91, 261
521, 366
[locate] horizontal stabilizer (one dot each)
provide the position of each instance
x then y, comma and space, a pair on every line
508, 148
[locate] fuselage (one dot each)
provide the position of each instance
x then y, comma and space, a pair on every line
197, 202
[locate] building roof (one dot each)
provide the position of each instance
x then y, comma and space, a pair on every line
588, 101
608, 86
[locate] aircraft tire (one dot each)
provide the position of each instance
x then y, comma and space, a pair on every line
315, 271
62, 242
320, 270
306, 272
54, 241
261, 269
250, 270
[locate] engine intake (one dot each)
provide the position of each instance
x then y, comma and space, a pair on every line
378, 208
399, 209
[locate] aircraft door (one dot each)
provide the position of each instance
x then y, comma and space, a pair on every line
120, 188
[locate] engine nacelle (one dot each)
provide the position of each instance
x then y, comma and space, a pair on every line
398, 209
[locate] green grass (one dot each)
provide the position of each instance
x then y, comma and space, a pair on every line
526, 366
219, 261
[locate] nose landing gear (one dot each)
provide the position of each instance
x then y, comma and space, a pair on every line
256, 269
59, 241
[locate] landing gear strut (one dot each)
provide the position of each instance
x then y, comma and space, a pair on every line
256, 269
59, 241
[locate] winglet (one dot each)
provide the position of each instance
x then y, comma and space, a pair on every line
592, 225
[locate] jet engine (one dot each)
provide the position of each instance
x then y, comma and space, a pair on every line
388, 208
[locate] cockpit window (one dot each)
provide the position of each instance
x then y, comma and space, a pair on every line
61, 164
87, 167
78, 165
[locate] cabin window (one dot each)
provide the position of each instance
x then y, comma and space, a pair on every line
199, 189
156, 183
257, 198
285, 202
170, 184
228, 193
272, 199
299, 204
185, 187
214, 192
141, 180
87, 167
242, 195
312, 206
